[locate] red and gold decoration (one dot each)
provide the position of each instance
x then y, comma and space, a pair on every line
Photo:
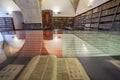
48, 35
47, 18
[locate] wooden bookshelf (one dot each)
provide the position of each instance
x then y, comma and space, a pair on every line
103, 17
118, 10
6, 23
61, 22
32, 26
117, 18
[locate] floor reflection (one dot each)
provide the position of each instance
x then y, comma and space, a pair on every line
61, 44
32, 43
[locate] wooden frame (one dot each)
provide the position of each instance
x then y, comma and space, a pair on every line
104, 16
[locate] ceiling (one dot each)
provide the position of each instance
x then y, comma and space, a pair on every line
66, 7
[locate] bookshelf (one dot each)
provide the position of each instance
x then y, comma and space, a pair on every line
117, 17
118, 10
61, 22
32, 26
103, 17
6, 23
116, 24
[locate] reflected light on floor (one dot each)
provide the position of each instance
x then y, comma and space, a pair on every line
17, 43
1, 37
56, 38
54, 46
85, 50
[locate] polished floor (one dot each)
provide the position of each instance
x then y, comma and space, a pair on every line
63, 44
97, 51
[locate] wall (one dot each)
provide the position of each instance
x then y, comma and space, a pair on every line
31, 10
83, 5
7, 6
18, 19
63, 6
3, 13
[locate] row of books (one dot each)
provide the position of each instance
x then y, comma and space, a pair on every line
97, 14
97, 9
105, 26
109, 11
88, 20
116, 24
108, 18
95, 20
118, 10
88, 16
6, 22
118, 17
110, 4
95, 25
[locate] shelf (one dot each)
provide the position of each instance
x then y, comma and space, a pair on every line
61, 22
95, 25
95, 20
109, 8
102, 17
88, 20
107, 15
110, 5
103, 22
109, 12
116, 26
6, 23
107, 18
117, 20
88, 16
118, 11
95, 10
88, 12
117, 17
95, 15
105, 26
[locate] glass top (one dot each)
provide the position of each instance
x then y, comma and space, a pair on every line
60, 43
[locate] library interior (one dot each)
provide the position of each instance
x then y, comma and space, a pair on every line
59, 39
